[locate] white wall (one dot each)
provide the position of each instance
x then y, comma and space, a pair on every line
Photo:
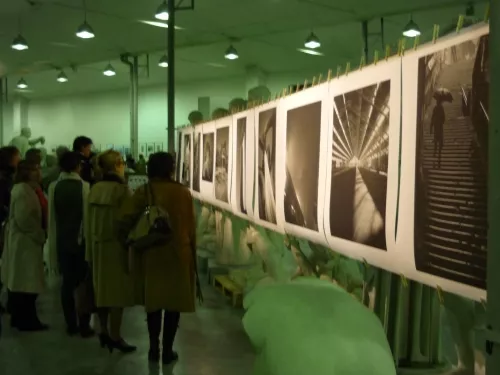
104, 116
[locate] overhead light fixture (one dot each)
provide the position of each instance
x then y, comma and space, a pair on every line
162, 11
411, 30
109, 71
312, 42
62, 77
19, 43
163, 25
310, 52
231, 53
21, 84
163, 61
85, 31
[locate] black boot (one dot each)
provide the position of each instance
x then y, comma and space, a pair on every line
170, 325
154, 329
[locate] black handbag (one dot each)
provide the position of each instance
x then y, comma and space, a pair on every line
153, 226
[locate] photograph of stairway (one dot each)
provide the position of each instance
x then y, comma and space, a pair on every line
452, 163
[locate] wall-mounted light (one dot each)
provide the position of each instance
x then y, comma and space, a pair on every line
312, 42
163, 61
21, 84
231, 53
162, 11
62, 77
411, 29
19, 43
109, 71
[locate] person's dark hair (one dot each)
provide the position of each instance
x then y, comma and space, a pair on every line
161, 165
81, 142
34, 155
24, 170
70, 161
7, 153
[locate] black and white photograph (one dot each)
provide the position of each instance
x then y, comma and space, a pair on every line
266, 165
208, 157
186, 160
359, 165
222, 165
196, 162
451, 175
241, 154
303, 129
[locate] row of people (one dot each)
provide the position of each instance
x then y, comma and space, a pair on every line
87, 224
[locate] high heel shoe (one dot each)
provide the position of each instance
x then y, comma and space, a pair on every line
121, 345
104, 340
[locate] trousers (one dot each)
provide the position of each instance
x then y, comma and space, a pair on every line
170, 326
73, 269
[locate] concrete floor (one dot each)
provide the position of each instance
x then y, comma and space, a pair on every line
209, 342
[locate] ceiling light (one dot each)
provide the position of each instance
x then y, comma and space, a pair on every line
85, 31
62, 77
310, 51
312, 42
22, 84
162, 11
163, 61
19, 43
411, 30
109, 71
231, 53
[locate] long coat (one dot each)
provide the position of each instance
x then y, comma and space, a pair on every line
167, 271
114, 286
22, 261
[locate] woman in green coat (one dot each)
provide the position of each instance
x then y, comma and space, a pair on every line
114, 286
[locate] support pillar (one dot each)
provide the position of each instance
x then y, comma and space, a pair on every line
171, 77
493, 276
134, 107
20, 115
2, 100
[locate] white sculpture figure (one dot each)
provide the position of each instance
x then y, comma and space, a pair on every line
311, 326
206, 235
23, 142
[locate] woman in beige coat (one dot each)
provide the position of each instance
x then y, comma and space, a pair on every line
168, 271
114, 287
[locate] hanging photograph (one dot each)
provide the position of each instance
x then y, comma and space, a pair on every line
451, 174
359, 165
208, 157
196, 162
241, 155
303, 128
266, 159
222, 165
186, 160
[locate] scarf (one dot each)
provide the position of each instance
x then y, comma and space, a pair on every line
44, 203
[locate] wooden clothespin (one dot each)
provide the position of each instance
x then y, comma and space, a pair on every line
347, 68
375, 57
339, 69
404, 281
416, 41
297, 87
435, 33
283, 93
401, 46
329, 77
269, 99
460, 22
305, 84
440, 294
362, 62
319, 78
314, 81
387, 52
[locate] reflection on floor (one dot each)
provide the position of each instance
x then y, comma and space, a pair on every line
358, 206
210, 342
368, 221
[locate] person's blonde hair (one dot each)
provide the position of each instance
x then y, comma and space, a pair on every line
108, 161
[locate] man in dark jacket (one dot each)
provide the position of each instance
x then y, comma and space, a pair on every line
83, 145
67, 213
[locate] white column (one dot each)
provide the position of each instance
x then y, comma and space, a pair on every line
20, 114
